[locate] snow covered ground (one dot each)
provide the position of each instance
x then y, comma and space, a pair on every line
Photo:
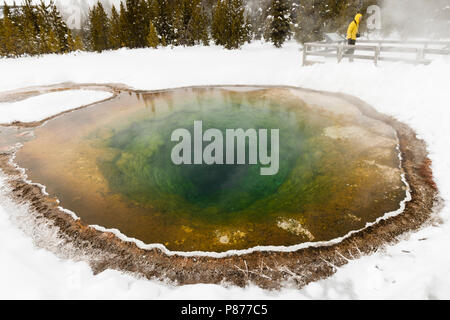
417, 267
45, 105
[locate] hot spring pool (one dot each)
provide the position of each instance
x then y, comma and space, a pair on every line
111, 164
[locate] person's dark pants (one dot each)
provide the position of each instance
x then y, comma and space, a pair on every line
351, 42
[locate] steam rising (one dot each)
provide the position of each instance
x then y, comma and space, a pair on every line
417, 18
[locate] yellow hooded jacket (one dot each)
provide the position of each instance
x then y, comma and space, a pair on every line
354, 27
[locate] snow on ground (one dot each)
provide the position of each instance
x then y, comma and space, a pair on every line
418, 267
45, 105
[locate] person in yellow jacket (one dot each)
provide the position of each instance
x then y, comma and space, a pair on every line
353, 32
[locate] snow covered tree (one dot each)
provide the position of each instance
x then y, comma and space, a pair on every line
257, 18
279, 26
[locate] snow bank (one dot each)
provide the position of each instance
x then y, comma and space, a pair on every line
46, 105
418, 267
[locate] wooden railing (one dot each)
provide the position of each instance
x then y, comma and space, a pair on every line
375, 50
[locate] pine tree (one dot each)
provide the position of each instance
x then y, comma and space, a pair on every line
52, 42
229, 26
280, 24
189, 23
125, 32
164, 23
99, 28
240, 29
152, 10
70, 41
75, 42
179, 28
59, 27
309, 25
2, 50
197, 27
136, 23
152, 37
9, 34
29, 29
49, 37
115, 38
219, 23
154, 14
43, 28
35, 29
78, 44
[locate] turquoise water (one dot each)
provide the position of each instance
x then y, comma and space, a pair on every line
142, 168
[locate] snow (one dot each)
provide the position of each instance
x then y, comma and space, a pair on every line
45, 105
155, 69
417, 267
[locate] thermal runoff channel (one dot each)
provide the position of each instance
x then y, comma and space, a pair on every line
333, 170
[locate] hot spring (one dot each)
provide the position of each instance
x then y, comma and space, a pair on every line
111, 164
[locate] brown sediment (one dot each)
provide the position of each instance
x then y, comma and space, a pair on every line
267, 269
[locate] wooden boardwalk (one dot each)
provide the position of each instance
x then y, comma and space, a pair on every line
375, 50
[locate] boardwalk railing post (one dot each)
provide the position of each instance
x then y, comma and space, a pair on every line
377, 55
340, 52
305, 53
420, 55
